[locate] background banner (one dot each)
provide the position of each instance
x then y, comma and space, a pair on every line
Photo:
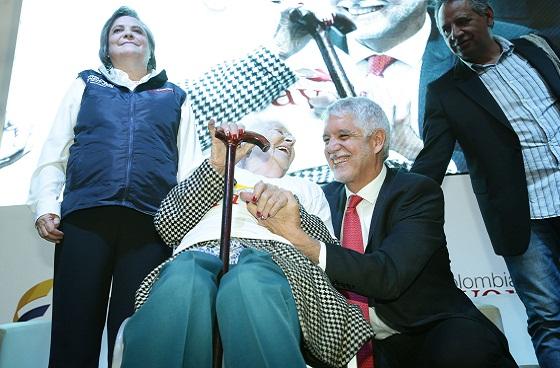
190, 37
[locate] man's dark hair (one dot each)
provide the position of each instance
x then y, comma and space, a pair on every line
478, 6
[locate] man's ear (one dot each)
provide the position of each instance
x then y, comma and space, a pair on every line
378, 138
490, 16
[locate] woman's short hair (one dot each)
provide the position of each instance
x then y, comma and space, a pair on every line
104, 39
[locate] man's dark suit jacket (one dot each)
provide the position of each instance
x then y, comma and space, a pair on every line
405, 271
438, 59
460, 108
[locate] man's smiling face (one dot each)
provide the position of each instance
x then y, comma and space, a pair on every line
377, 19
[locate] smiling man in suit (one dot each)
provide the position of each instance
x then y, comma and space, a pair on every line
501, 103
393, 261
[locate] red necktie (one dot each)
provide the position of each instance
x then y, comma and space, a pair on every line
352, 239
378, 63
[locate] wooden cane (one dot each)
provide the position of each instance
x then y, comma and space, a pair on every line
231, 143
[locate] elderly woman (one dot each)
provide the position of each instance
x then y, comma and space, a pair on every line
121, 138
273, 300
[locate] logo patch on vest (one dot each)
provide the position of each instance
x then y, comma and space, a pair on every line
100, 82
165, 89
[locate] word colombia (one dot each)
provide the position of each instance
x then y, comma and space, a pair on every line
483, 285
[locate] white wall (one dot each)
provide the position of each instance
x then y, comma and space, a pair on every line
9, 21
25, 260
477, 270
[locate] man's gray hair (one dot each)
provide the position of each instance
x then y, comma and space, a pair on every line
104, 39
368, 115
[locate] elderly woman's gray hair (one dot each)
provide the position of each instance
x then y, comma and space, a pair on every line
368, 115
261, 121
104, 39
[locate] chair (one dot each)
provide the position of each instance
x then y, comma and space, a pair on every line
25, 344
493, 314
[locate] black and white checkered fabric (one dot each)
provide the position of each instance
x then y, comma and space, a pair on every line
183, 208
333, 330
318, 174
323, 174
229, 91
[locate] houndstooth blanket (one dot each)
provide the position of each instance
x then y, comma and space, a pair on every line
333, 330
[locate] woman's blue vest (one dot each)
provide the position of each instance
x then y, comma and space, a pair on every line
125, 145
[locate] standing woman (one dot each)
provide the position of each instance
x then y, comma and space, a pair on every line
114, 147
121, 138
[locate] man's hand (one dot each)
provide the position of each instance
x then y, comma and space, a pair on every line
278, 210
291, 37
47, 227
218, 149
266, 200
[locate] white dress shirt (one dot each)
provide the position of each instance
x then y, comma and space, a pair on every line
397, 90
